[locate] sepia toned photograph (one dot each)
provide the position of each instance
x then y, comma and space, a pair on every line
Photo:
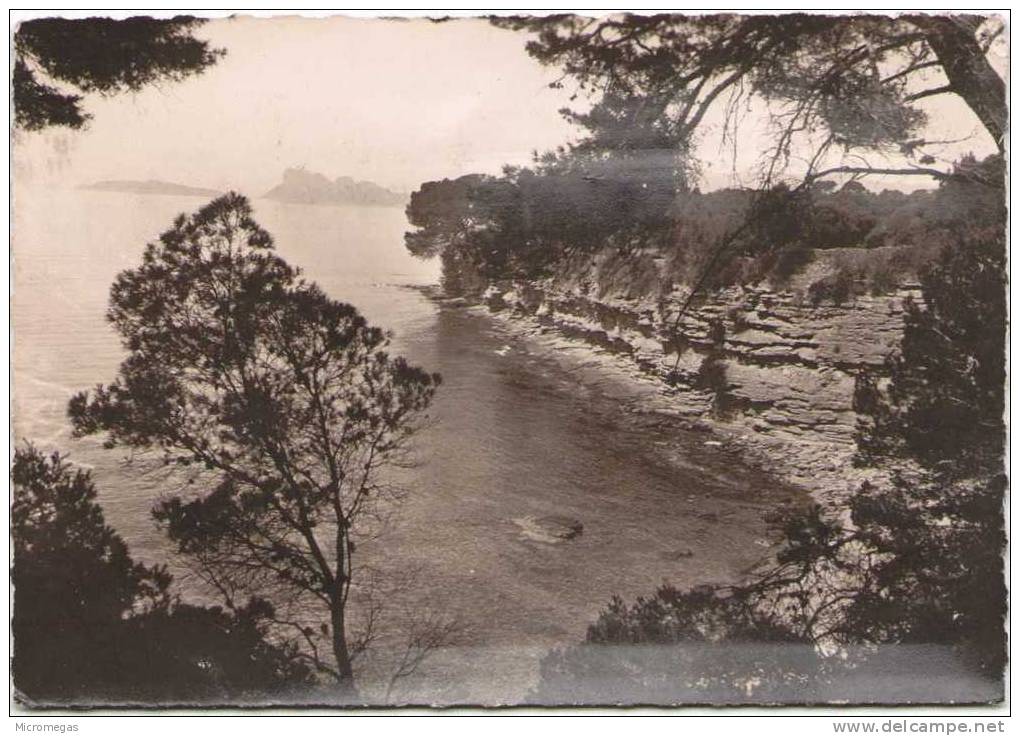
508, 360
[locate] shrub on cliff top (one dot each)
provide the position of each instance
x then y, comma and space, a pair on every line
938, 423
517, 225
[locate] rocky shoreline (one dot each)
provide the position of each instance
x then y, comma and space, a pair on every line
762, 371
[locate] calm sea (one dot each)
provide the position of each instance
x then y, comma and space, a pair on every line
517, 435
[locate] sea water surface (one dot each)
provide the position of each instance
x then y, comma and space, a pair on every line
517, 435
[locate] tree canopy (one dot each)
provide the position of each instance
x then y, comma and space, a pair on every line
851, 81
516, 224
282, 403
92, 625
98, 55
839, 92
529, 221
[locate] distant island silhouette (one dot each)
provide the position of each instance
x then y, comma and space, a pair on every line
300, 186
152, 186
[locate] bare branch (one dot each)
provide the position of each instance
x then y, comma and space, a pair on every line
874, 171
910, 70
426, 633
944, 89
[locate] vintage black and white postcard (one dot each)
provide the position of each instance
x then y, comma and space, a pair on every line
508, 360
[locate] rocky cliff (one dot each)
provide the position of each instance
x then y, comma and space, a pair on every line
769, 366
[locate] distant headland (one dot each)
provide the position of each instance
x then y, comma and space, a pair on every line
300, 186
152, 186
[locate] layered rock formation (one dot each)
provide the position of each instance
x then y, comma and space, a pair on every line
771, 366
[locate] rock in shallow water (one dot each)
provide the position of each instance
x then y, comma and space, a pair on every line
549, 529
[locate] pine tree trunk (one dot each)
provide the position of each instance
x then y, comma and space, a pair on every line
968, 71
341, 652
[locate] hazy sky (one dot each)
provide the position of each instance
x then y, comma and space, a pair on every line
397, 102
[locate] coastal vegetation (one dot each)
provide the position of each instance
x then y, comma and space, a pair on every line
856, 79
914, 563
527, 222
92, 625
836, 89
911, 576
98, 56
278, 424
280, 407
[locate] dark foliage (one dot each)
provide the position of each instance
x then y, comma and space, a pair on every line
474, 223
701, 646
518, 224
953, 341
522, 224
92, 625
653, 79
37, 105
281, 404
208, 654
98, 55
917, 578
821, 71
973, 193
939, 421
789, 261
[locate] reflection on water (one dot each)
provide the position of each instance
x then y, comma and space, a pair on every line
516, 437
